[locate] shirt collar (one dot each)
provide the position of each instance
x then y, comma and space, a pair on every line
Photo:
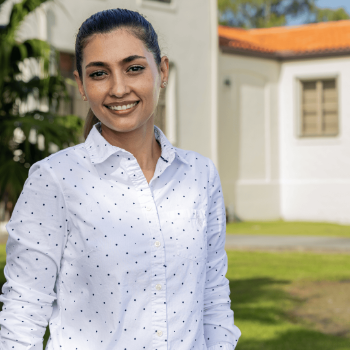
99, 149
169, 152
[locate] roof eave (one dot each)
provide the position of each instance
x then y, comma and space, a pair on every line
251, 53
314, 54
283, 56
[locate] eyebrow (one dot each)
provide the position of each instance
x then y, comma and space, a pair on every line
125, 60
132, 58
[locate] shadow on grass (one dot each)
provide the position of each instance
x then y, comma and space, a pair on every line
302, 339
264, 301
259, 299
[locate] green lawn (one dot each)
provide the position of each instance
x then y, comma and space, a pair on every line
288, 228
259, 282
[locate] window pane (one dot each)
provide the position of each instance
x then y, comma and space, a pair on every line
309, 85
309, 125
329, 107
328, 84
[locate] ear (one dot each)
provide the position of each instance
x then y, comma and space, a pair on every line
164, 70
80, 85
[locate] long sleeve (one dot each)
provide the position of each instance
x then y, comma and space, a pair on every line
219, 329
37, 236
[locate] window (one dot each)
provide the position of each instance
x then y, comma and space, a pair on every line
162, 5
76, 105
319, 108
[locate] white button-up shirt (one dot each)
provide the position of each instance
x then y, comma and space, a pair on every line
110, 261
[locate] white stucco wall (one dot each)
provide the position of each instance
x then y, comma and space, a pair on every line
315, 172
248, 136
186, 32
268, 171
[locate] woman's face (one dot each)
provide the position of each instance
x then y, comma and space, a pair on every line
121, 80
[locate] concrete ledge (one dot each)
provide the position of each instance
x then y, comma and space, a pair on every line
288, 243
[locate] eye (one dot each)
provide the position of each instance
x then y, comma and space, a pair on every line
97, 74
135, 69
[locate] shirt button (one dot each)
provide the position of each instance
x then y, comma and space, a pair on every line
148, 207
160, 333
157, 244
158, 286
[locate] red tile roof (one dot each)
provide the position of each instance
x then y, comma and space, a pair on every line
319, 38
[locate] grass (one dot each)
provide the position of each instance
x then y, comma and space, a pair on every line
259, 284
284, 228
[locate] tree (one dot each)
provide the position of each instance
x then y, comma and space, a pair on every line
272, 13
325, 15
31, 91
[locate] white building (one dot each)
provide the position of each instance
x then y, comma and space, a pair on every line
268, 106
284, 122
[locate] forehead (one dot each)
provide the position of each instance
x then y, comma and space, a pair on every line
114, 46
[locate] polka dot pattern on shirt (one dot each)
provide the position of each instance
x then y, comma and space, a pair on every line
113, 262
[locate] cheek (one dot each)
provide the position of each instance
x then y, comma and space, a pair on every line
149, 84
152, 91
94, 92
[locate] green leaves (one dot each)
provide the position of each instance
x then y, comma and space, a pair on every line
27, 139
31, 92
18, 13
325, 15
271, 13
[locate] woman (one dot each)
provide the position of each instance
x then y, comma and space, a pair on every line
118, 243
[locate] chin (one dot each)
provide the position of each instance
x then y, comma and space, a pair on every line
123, 127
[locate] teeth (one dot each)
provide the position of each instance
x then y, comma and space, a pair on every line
122, 108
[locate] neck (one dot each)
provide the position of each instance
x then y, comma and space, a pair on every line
141, 143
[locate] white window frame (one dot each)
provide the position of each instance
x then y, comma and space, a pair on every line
155, 5
298, 104
171, 98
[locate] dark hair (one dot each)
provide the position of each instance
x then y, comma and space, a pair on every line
105, 22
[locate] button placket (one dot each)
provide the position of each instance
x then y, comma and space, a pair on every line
158, 273
158, 282
158, 263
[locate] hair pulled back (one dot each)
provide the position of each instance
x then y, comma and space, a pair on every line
105, 22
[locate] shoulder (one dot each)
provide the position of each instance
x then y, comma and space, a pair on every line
61, 158
197, 161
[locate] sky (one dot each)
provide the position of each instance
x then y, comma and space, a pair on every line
333, 4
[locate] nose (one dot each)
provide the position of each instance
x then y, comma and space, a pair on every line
118, 86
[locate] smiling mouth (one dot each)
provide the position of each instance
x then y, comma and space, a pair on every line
123, 107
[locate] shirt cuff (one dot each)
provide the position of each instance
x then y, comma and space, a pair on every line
223, 346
